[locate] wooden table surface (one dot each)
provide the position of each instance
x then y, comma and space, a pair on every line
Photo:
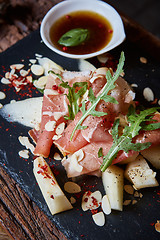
4, 234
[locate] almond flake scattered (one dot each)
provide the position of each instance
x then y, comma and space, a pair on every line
91, 200
134, 85
57, 156
106, 207
136, 194
50, 126
56, 137
126, 202
103, 58
129, 189
5, 81
17, 66
157, 226
1, 106
99, 219
143, 60
72, 187
158, 102
33, 61
29, 79
148, 94
25, 142
140, 195
24, 154
37, 69
38, 55
60, 128
72, 200
134, 202
23, 73
2, 95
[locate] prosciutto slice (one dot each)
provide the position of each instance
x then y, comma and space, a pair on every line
54, 108
96, 126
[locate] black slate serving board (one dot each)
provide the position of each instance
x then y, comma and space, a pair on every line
136, 220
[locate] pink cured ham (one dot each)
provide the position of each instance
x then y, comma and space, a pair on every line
54, 108
97, 127
90, 163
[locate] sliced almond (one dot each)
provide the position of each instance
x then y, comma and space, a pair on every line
134, 202
42, 81
75, 165
2, 95
79, 155
157, 226
17, 66
106, 207
99, 219
24, 153
136, 194
57, 156
50, 126
91, 200
143, 60
103, 58
72, 187
23, 73
25, 142
148, 94
7, 74
37, 69
72, 200
127, 202
33, 61
29, 78
60, 128
1, 106
129, 189
56, 137
5, 81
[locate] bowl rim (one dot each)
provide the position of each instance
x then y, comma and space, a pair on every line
107, 48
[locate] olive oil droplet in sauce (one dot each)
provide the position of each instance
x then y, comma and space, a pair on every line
100, 31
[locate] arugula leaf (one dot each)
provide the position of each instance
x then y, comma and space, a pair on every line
136, 122
74, 37
103, 96
73, 96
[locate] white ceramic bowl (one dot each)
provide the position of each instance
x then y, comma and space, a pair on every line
68, 6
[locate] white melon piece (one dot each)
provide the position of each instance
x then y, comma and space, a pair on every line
152, 154
140, 174
113, 184
52, 193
